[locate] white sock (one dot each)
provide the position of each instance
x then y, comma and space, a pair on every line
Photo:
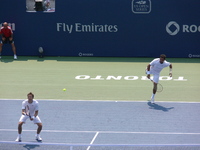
19, 135
153, 95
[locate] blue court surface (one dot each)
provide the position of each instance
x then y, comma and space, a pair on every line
104, 125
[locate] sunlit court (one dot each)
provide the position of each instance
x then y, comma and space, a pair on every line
100, 103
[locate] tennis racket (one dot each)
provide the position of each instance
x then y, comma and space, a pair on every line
159, 86
27, 111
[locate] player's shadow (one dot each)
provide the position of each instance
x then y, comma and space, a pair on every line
159, 107
7, 60
29, 147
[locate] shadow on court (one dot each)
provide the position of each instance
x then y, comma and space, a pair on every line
29, 147
7, 59
159, 107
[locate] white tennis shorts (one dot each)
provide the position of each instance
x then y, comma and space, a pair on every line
23, 118
155, 76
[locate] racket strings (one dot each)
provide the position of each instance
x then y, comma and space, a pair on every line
159, 87
27, 110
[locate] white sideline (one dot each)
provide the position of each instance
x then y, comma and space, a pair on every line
120, 101
111, 132
68, 144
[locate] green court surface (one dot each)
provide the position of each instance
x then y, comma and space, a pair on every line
96, 78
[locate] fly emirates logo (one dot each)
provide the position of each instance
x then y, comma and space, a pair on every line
79, 27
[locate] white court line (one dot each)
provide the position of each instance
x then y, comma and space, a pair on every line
120, 101
68, 144
92, 140
110, 132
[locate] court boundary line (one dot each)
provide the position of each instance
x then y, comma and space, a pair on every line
95, 136
110, 132
79, 144
119, 101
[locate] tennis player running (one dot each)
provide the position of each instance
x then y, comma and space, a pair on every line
30, 110
154, 68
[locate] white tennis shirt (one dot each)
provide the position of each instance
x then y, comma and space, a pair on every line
156, 66
34, 106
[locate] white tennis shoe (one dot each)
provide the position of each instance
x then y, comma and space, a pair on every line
152, 100
15, 56
38, 138
19, 139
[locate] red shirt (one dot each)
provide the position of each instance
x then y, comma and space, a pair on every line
6, 32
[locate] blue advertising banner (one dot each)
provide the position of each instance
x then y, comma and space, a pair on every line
103, 28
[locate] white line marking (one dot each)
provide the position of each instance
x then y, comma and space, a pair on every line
93, 140
110, 132
122, 101
74, 144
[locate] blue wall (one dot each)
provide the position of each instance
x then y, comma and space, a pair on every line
118, 28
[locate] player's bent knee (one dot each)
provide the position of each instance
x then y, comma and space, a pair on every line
39, 125
20, 123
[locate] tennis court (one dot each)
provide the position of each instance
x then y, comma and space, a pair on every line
106, 124
107, 112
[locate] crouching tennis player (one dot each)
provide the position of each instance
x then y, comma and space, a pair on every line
30, 108
154, 68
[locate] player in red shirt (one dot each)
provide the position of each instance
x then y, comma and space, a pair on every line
7, 37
